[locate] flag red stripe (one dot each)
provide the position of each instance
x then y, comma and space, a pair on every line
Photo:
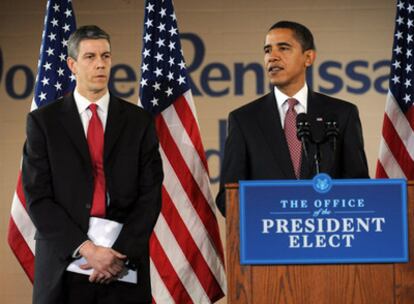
189, 248
20, 249
167, 272
16, 240
398, 148
19, 190
380, 171
190, 186
191, 126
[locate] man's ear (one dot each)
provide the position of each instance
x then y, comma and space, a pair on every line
310, 57
71, 65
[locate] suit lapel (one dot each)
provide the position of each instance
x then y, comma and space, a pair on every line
72, 124
114, 125
315, 107
270, 124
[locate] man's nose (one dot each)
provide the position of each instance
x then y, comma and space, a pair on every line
100, 62
275, 54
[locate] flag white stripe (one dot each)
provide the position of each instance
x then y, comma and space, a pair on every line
192, 221
400, 123
189, 153
23, 222
33, 106
388, 162
179, 262
159, 291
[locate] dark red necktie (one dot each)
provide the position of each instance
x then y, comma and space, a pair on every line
291, 138
95, 139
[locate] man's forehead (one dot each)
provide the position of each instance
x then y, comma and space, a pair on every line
87, 45
280, 35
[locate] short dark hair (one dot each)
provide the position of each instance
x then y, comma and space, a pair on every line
82, 33
301, 32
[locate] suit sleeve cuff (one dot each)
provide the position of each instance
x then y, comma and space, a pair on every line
76, 254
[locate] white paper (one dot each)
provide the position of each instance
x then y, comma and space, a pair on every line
102, 232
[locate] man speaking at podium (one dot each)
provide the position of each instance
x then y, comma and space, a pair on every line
262, 141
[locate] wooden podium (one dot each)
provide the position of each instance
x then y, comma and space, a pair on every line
315, 284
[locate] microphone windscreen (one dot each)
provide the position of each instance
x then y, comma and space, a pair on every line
331, 118
301, 119
318, 129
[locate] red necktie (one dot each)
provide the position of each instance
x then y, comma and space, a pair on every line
95, 139
291, 137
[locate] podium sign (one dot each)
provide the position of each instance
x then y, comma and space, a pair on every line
323, 221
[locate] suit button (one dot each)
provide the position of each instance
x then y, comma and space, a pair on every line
88, 206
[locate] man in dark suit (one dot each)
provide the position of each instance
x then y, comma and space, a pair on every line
91, 154
262, 142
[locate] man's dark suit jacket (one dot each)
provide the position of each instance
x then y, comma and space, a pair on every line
256, 147
58, 185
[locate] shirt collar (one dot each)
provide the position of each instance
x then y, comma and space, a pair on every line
83, 103
301, 96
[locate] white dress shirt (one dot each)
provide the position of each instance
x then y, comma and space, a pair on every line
282, 105
85, 114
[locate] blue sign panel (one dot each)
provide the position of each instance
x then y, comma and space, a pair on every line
323, 221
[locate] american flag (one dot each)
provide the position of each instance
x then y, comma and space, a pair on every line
397, 143
187, 263
53, 80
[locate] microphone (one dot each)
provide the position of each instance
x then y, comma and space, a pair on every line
318, 137
303, 131
332, 130
318, 130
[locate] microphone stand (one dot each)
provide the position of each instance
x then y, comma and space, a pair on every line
317, 158
304, 135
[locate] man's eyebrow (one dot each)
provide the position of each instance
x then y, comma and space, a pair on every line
283, 44
277, 44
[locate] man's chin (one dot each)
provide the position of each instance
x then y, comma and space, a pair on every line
276, 83
101, 87
99, 90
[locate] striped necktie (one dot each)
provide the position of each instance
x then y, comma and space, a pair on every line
293, 142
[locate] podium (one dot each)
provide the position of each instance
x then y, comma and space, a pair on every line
391, 283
